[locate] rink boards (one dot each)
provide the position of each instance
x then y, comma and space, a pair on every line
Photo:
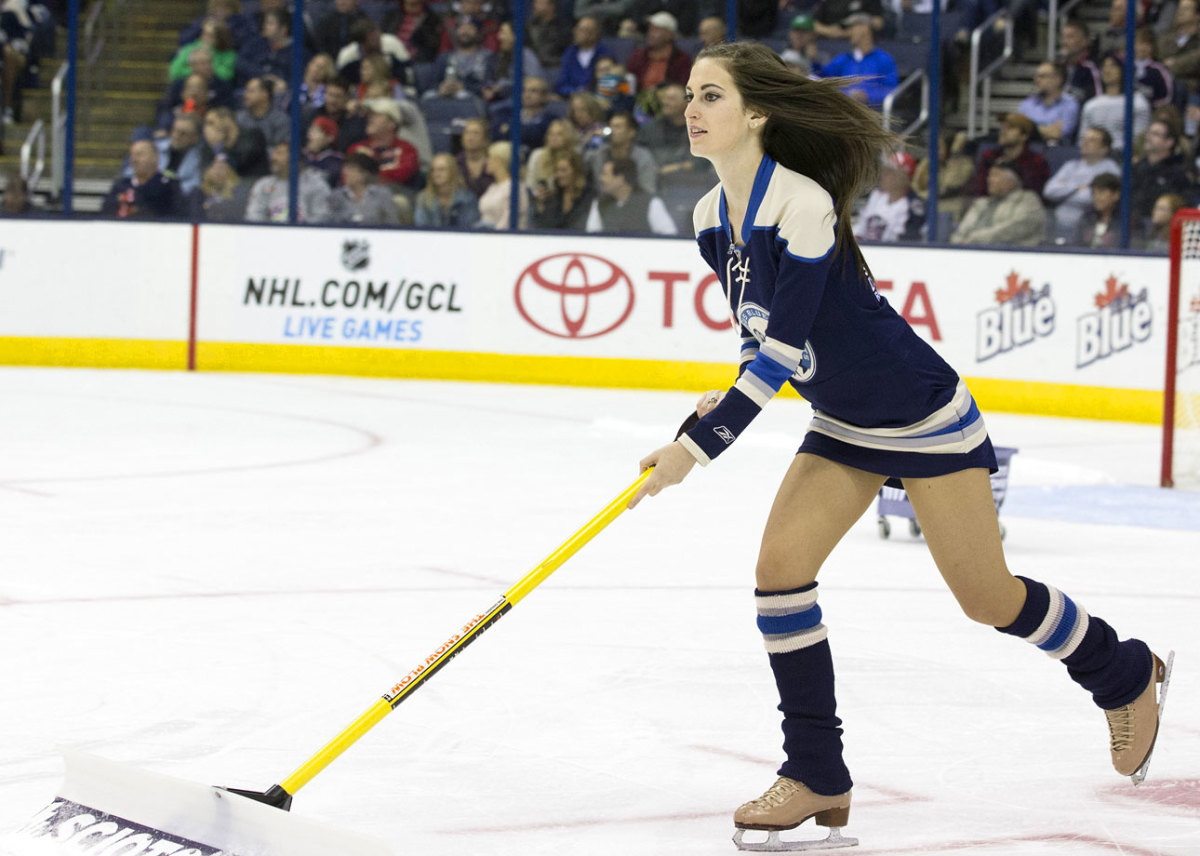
1054, 333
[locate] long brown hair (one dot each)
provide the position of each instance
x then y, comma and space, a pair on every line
812, 128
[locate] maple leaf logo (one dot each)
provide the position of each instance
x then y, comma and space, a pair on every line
1014, 286
1114, 291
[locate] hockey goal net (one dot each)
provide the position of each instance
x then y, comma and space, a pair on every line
1181, 400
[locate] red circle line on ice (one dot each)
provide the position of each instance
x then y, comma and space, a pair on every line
586, 285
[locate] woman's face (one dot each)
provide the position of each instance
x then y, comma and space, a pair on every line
556, 137
563, 174
717, 120
579, 113
439, 172
506, 37
1162, 213
472, 137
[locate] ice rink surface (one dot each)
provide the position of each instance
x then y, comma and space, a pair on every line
211, 575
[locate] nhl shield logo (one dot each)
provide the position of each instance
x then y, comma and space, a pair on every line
356, 255
754, 318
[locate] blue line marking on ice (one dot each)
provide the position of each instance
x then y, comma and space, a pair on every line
1151, 507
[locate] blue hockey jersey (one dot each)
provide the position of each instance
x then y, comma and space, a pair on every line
807, 319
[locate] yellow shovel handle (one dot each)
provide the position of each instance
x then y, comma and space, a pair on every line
470, 631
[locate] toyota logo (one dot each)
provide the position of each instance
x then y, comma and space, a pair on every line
574, 295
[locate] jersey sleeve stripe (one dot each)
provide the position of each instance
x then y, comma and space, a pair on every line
752, 386
688, 443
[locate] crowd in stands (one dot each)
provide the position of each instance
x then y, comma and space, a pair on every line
406, 108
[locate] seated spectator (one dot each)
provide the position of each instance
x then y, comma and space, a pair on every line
499, 86
570, 201
317, 75
1015, 131
1163, 168
352, 127
624, 206
464, 70
712, 31
214, 36
547, 34
420, 29
473, 158
396, 159
319, 153
223, 194
16, 39
1070, 189
608, 14
495, 205
1180, 47
578, 68
587, 113
227, 12
616, 87
802, 50
1100, 227
1009, 214
955, 169
245, 149
413, 129
893, 212
269, 197
666, 135
660, 60
359, 199
474, 10
539, 171
1055, 113
875, 67
831, 17
17, 200
146, 194
376, 69
622, 143
1112, 38
269, 54
1152, 77
332, 32
1157, 235
195, 93
1107, 110
687, 13
536, 114
179, 154
1083, 76
258, 111
368, 40
445, 203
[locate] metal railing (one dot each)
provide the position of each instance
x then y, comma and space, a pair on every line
985, 75
889, 102
58, 132
31, 170
1053, 14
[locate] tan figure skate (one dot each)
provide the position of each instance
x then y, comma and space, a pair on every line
1133, 728
786, 805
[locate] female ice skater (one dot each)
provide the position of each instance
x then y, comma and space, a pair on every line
792, 154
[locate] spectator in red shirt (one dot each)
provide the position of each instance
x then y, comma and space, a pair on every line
1015, 131
398, 160
661, 60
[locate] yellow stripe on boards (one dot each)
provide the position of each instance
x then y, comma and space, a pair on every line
93, 353
1063, 399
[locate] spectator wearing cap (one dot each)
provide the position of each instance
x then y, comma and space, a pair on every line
687, 13
397, 159
1015, 132
578, 68
1055, 113
830, 16
1099, 227
1009, 214
359, 199
875, 68
660, 60
893, 211
269, 196
802, 50
319, 153
1107, 110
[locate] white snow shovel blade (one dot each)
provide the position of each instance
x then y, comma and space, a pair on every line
106, 807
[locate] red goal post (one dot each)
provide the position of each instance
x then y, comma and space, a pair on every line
1181, 386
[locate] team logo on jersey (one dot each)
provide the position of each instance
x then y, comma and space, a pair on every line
754, 318
1121, 320
574, 295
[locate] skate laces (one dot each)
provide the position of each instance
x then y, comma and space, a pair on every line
779, 793
1120, 727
